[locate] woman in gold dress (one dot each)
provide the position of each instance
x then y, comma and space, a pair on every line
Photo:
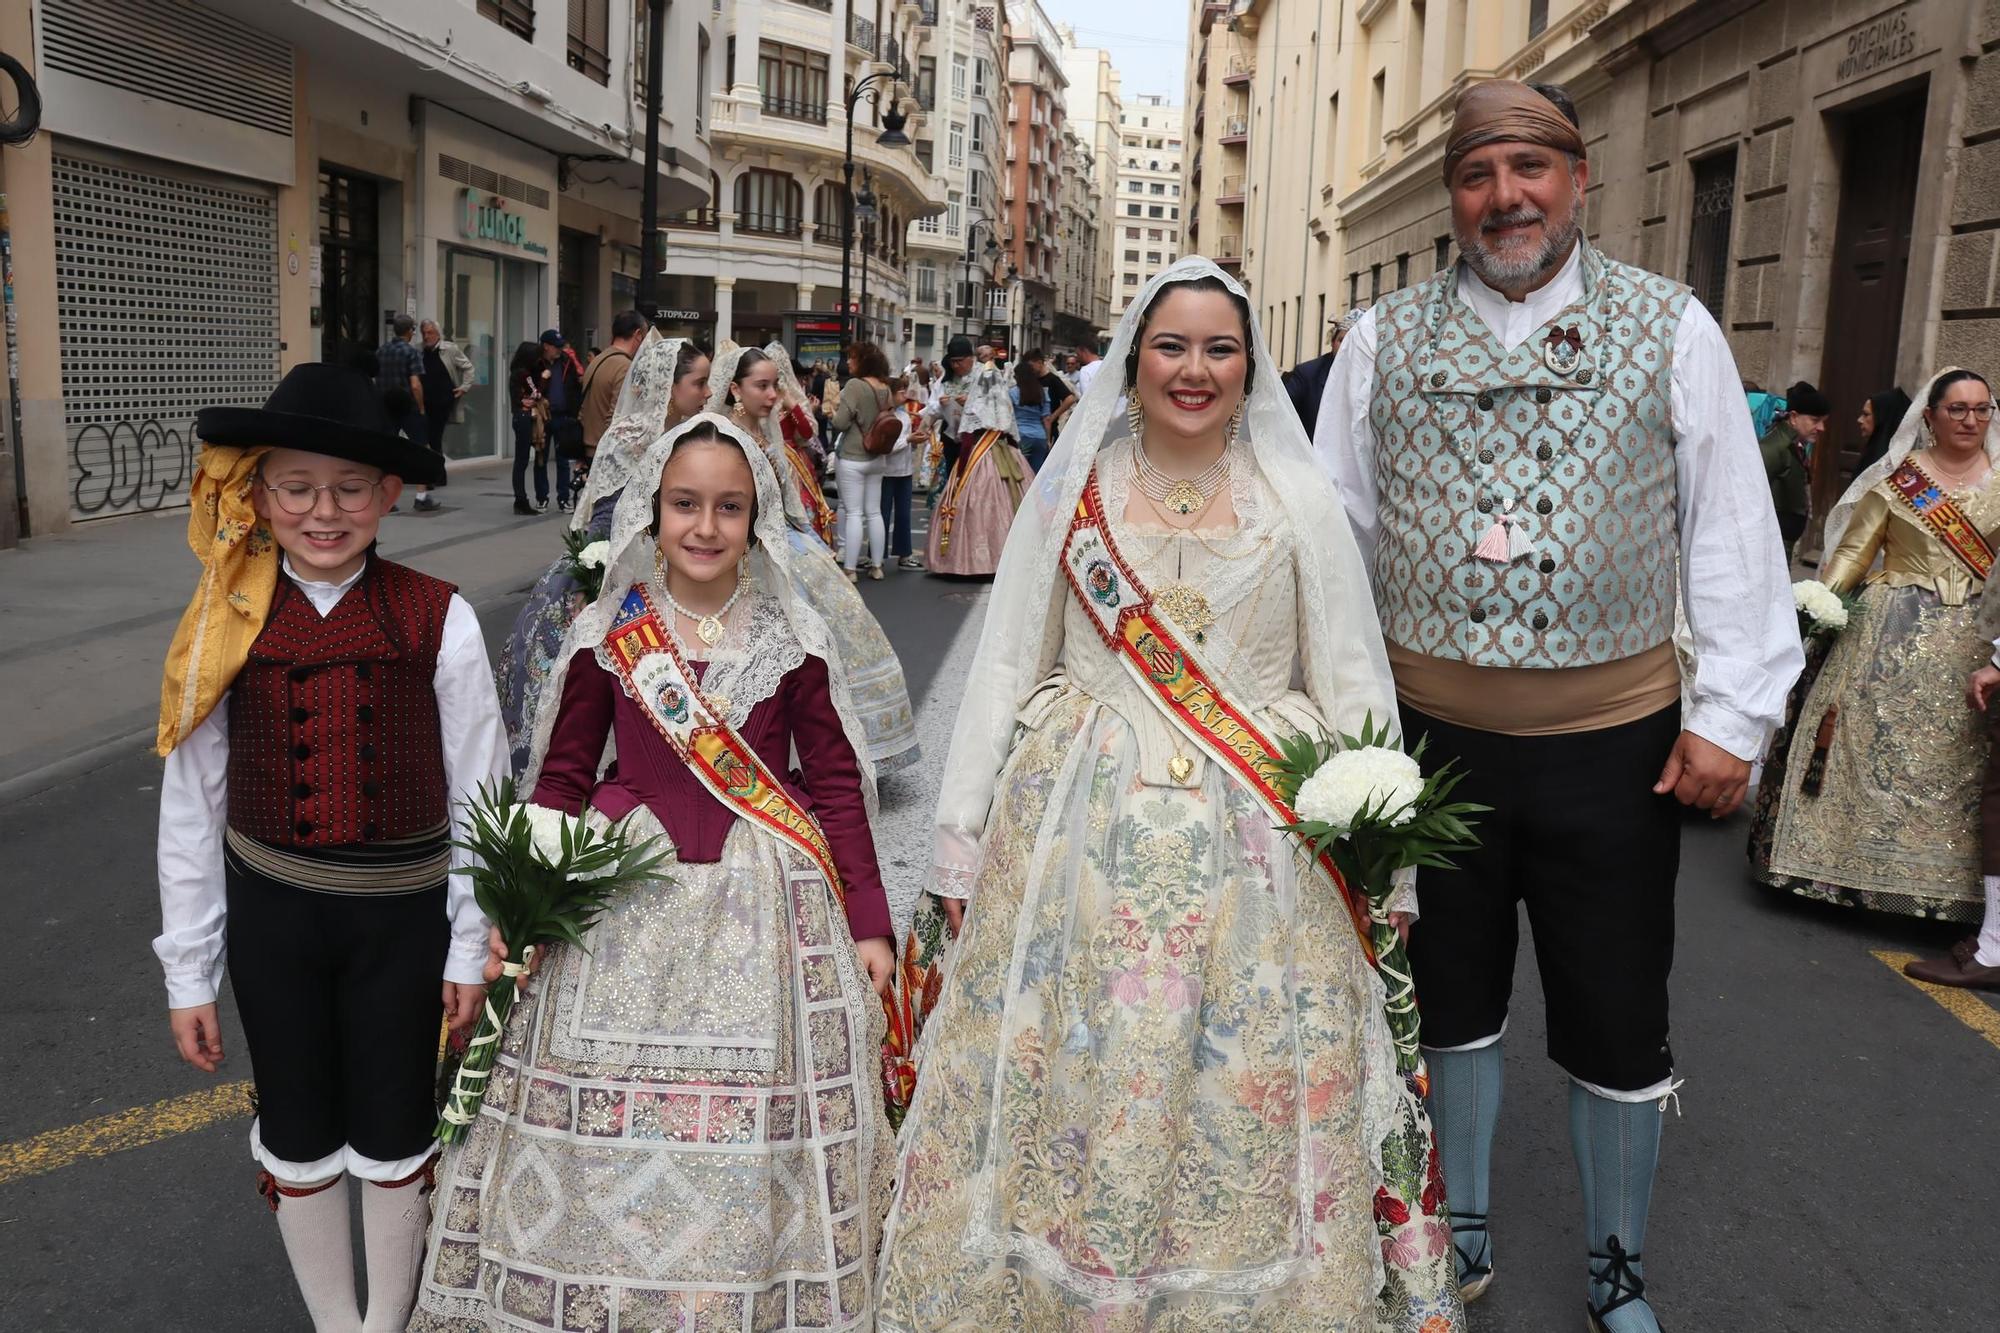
1872, 793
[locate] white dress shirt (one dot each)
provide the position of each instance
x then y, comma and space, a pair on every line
194, 808
1734, 582
1085, 374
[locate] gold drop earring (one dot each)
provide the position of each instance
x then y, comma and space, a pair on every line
1135, 416
1235, 424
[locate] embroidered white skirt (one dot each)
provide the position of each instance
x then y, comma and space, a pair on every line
685, 1125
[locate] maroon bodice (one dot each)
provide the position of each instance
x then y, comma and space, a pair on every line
800, 713
333, 722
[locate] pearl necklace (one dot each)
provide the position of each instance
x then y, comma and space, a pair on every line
709, 629
1183, 495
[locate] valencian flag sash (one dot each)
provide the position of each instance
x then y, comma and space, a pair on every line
642, 654
1170, 673
1946, 521
644, 657
796, 427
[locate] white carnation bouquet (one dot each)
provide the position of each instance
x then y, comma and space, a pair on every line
1822, 611
542, 876
1366, 803
583, 560
1367, 806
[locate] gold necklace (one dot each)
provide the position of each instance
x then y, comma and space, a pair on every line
1956, 480
1183, 495
709, 629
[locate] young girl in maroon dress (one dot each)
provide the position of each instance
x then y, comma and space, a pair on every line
685, 1125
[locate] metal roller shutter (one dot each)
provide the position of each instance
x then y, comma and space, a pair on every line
167, 302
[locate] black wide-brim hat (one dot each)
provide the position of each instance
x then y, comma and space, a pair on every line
324, 409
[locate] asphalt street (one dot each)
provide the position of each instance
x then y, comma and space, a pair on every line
1832, 1166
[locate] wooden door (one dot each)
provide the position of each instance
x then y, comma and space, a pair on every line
1871, 263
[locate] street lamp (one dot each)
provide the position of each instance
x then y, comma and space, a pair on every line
864, 215
868, 89
972, 266
649, 189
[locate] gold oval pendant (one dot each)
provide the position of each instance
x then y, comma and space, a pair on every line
709, 630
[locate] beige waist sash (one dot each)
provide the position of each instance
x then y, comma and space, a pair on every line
1516, 701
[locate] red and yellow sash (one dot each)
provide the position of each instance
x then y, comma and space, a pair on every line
1174, 677
1946, 520
642, 654
807, 480
954, 491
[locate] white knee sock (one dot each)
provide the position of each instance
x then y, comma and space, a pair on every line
321, 1248
1989, 931
394, 1219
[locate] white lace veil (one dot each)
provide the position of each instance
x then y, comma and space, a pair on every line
637, 420
1909, 436
1345, 669
754, 671
722, 373
790, 390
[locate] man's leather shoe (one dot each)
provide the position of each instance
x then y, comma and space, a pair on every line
1958, 968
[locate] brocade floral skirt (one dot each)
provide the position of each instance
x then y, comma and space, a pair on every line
684, 1128
1157, 1092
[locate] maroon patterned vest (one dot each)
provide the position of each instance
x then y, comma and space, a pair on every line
333, 723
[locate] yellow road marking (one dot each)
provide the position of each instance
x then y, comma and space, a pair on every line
1963, 1005
135, 1128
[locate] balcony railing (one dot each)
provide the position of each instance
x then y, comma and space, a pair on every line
1230, 191
791, 108
770, 224
861, 33
1240, 70
1228, 248
825, 6
695, 219
930, 12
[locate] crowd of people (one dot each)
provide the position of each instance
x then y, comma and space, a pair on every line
1168, 1078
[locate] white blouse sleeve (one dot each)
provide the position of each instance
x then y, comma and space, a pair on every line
1343, 436
475, 752
1734, 581
194, 804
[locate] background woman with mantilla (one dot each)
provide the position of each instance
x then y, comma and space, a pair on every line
1159, 1090
1876, 802
752, 387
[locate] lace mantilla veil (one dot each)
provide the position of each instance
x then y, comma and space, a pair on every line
759, 652
636, 421
1908, 438
1345, 668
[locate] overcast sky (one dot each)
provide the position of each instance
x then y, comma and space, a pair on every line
1147, 39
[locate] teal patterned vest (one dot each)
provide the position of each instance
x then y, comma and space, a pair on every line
1575, 434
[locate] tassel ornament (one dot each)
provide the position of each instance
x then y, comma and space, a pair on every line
1504, 542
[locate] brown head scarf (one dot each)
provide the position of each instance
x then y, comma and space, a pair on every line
1503, 111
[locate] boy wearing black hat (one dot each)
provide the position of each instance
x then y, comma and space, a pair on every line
325, 713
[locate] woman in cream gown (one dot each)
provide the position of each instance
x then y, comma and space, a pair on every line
874, 672
1894, 821
1158, 1090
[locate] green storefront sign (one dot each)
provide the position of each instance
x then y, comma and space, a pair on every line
483, 217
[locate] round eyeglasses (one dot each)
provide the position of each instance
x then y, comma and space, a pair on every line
297, 497
1960, 411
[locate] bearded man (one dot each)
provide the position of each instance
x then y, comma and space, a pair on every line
1539, 448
